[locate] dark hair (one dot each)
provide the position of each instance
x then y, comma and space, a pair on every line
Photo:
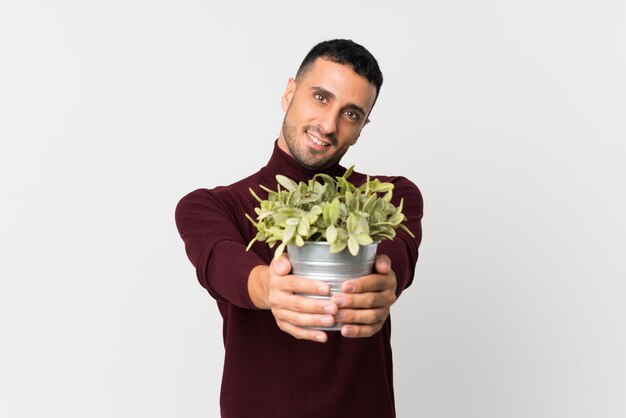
347, 52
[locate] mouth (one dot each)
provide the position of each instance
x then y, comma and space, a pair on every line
316, 140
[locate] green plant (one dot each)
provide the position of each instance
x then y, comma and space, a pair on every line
327, 209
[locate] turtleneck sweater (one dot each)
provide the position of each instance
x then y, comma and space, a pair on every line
268, 373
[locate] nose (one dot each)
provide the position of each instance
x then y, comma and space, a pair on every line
328, 122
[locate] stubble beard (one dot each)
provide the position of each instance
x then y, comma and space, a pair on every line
302, 154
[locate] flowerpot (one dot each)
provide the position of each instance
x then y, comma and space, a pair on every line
315, 261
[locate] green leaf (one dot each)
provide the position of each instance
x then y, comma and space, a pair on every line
311, 218
303, 189
303, 226
399, 208
312, 232
257, 198
353, 245
363, 239
334, 211
369, 203
299, 241
350, 201
289, 233
363, 226
279, 250
325, 178
385, 234
326, 213
268, 190
264, 215
342, 234
316, 210
331, 234
292, 221
407, 230
286, 182
250, 244
337, 246
295, 198
251, 220
352, 223
342, 185
383, 187
396, 218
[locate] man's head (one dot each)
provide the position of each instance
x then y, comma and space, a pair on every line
328, 103
346, 52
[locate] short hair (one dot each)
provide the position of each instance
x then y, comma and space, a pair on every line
346, 52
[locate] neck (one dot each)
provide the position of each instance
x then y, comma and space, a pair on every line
281, 162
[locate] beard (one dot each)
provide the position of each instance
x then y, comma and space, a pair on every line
306, 157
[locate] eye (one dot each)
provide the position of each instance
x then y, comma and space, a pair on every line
320, 97
352, 115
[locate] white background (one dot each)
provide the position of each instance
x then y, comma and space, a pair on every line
510, 116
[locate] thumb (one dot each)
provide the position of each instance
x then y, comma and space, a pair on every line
383, 264
282, 266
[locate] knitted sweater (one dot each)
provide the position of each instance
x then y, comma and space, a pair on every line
268, 373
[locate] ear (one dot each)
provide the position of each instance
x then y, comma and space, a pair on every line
288, 94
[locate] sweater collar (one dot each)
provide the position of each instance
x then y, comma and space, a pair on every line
282, 163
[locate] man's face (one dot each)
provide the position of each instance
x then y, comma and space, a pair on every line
325, 112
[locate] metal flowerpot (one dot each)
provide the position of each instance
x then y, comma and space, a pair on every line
315, 261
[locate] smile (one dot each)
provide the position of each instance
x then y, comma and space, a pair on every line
317, 140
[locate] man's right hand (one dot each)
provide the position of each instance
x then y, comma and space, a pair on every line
272, 287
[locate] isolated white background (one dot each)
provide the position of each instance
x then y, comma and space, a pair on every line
510, 116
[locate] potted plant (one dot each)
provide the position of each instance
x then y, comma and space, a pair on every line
329, 226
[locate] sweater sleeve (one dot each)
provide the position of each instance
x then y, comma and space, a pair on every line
216, 247
403, 250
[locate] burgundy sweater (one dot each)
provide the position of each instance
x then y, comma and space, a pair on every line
268, 373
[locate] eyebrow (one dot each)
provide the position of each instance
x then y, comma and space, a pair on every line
327, 93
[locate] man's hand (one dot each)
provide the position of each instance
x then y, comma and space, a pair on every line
365, 301
272, 287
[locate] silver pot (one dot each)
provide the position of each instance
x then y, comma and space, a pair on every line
315, 261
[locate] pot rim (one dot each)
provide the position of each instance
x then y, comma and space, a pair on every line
327, 243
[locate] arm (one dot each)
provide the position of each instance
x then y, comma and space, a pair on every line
403, 251
216, 247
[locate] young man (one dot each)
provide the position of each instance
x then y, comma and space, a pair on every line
274, 365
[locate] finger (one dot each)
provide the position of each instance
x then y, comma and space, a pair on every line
304, 319
297, 284
367, 300
382, 264
370, 283
361, 331
282, 266
301, 333
301, 304
362, 316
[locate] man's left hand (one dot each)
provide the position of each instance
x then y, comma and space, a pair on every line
365, 301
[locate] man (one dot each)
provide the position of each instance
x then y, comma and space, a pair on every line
275, 366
